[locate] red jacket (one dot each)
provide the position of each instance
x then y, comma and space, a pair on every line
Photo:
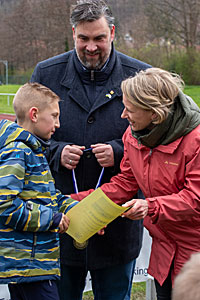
169, 177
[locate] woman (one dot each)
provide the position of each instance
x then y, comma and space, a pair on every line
162, 158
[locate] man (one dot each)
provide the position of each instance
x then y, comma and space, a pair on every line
87, 148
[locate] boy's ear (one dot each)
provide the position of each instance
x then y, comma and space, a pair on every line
33, 114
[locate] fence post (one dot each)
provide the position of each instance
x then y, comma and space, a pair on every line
150, 290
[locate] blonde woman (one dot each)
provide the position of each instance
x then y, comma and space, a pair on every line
162, 158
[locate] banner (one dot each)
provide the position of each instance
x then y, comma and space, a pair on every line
4, 293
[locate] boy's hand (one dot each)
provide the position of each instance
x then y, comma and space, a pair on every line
102, 231
64, 224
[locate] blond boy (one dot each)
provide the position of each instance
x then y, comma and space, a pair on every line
31, 209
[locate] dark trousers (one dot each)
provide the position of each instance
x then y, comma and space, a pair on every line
164, 291
111, 283
38, 290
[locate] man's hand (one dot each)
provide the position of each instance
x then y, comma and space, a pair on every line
138, 209
71, 155
64, 224
104, 154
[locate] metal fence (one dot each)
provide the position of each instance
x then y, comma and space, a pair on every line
6, 100
14, 79
8, 95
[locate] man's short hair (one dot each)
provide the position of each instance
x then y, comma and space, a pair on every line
89, 11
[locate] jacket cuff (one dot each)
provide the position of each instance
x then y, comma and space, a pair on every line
56, 221
153, 209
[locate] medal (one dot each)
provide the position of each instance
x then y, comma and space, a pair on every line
80, 246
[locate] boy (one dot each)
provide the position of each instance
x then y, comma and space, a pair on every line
31, 209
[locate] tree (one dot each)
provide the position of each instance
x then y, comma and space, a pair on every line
34, 30
175, 20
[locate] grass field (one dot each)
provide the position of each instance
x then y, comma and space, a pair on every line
8, 89
192, 91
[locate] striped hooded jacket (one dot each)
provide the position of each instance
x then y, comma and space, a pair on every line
30, 209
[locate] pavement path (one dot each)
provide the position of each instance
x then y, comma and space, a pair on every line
10, 117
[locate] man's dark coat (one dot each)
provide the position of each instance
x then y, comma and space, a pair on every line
86, 123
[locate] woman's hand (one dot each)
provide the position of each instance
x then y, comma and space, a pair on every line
138, 209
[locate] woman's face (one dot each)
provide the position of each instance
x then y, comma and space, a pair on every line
138, 118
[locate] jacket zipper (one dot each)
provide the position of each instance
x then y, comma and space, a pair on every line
34, 246
149, 158
92, 75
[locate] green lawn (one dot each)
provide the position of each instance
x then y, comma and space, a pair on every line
192, 91
138, 292
9, 89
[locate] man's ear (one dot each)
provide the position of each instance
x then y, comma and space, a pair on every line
73, 31
33, 114
112, 32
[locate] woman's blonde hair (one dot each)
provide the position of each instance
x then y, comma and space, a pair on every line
153, 89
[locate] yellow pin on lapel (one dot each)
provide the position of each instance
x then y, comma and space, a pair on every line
110, 94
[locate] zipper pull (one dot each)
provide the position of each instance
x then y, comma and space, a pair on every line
92, 75
150, 153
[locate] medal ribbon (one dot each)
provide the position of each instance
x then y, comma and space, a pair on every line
76, 244
75, 181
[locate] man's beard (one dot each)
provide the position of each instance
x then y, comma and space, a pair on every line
90, 64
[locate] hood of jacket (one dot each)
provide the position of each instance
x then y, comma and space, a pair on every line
182, 119
12, 132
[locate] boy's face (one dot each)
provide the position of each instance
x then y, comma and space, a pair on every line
47, 121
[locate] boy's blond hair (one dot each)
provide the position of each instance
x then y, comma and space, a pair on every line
153, 89
187, 282
32, 95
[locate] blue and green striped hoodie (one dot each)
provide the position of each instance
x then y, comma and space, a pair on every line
30, 209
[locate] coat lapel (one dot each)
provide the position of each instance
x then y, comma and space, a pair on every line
73, 83
111, 90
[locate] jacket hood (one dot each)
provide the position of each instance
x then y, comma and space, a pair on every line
183, 118
12, 132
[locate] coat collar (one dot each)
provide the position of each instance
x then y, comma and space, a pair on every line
184, 116
111, 89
